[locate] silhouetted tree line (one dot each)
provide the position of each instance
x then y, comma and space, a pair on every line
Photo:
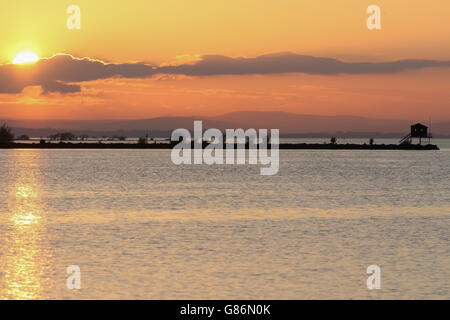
68, 136
6, 134
23, 137
63, 136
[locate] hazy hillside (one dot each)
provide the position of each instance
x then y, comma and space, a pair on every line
288, 123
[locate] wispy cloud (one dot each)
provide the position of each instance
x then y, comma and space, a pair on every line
63, 73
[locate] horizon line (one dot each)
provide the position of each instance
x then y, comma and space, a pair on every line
224, 114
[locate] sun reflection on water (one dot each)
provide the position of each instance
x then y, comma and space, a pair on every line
25, 260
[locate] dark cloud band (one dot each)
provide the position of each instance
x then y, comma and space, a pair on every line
62, 73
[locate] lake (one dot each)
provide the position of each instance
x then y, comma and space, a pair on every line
140, 227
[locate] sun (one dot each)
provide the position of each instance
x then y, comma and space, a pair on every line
25, 57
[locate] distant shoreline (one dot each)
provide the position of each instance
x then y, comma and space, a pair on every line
282, 146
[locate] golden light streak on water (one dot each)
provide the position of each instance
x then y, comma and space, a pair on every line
25, 259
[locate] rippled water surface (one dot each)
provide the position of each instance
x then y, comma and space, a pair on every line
140, 227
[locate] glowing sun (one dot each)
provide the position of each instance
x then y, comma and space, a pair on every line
25, 57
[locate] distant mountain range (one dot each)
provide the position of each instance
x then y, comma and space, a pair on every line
289, 124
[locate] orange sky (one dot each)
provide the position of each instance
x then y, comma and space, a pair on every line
175, 31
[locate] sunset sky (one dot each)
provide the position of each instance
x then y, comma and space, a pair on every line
208, 57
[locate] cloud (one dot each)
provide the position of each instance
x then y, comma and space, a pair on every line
63, 73
289, 62
58, 86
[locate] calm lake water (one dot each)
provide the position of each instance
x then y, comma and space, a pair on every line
140, 227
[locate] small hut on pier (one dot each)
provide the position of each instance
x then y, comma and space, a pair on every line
419, 131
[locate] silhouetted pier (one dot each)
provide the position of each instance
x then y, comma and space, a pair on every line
166, 145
